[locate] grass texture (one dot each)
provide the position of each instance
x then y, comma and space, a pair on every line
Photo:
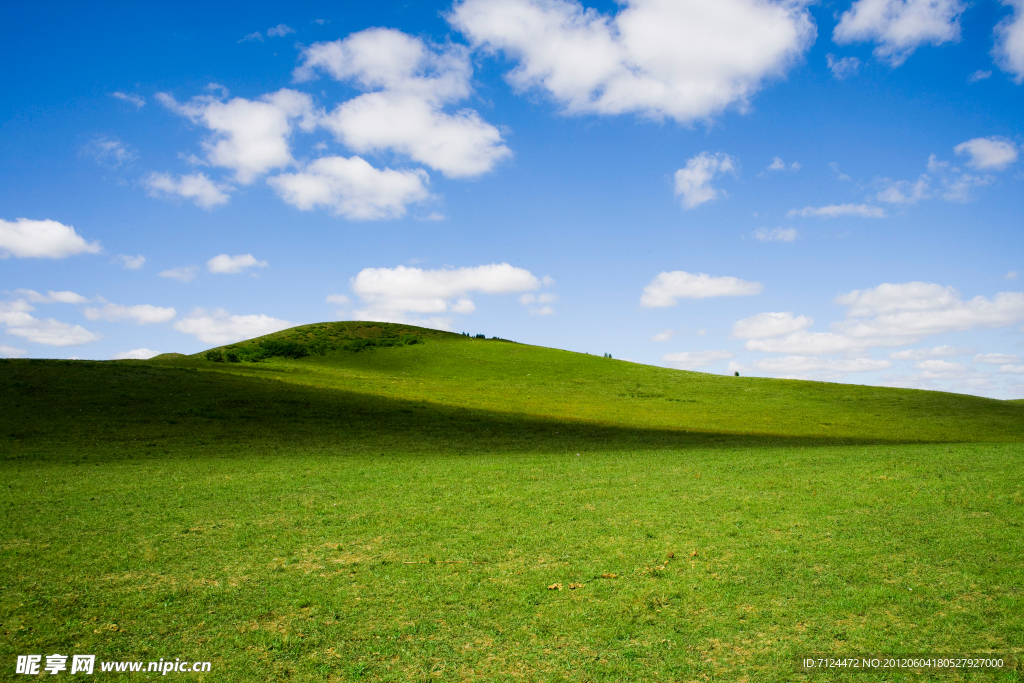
461, 509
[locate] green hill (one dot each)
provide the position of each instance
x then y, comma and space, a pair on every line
376, 502
443, 369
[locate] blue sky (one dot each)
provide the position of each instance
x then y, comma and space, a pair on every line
823, 191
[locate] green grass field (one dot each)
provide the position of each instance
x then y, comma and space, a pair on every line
407, 505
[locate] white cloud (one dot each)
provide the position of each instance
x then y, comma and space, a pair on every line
410, 84
775, 234
802, 367
220, 327
255, 35
1012, 275
996, 358
836, 210
779, 165
339, 299
232, 265
197, 187
16, 316
184, 274
249, 136
663, 336
683, 59
131, 262
138, 101
135, 354
666, 287
944, 351
943, 369
900, 26
109, 152
842, 68
64, 297
1009, 48
279, 31
898, 315
979, 75
11, 352
988, 154
693, 181
143, 314
390, 294
959, 188
889, 298
691, 360
26, 238
1012, 369
764, 325
904, 192
806, 343
839, 174
352, 188
543, 310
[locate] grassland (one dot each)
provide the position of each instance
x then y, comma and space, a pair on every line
400, 512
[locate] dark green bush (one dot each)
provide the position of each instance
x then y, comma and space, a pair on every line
215, 355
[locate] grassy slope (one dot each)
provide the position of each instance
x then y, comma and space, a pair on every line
286, 531
452, 370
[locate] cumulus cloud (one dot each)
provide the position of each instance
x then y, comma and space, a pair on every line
804, 367
391, 294
11, 351
996, 358
765, 325
944, 351
666, 287
135, 354
1009, 47
26, 238
775, 234
988, 154
409, 86
51, 297
183, 274
16, 316
663, 336
131, 262
136, 100
220, 327
691, 360
684, 59
842, 68
248, 136
900, 26
197, 187
944, 369
898, 315
693, 181
836, 210
352, 188
233, 265
143, 314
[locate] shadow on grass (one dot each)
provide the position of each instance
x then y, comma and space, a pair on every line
78, 409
